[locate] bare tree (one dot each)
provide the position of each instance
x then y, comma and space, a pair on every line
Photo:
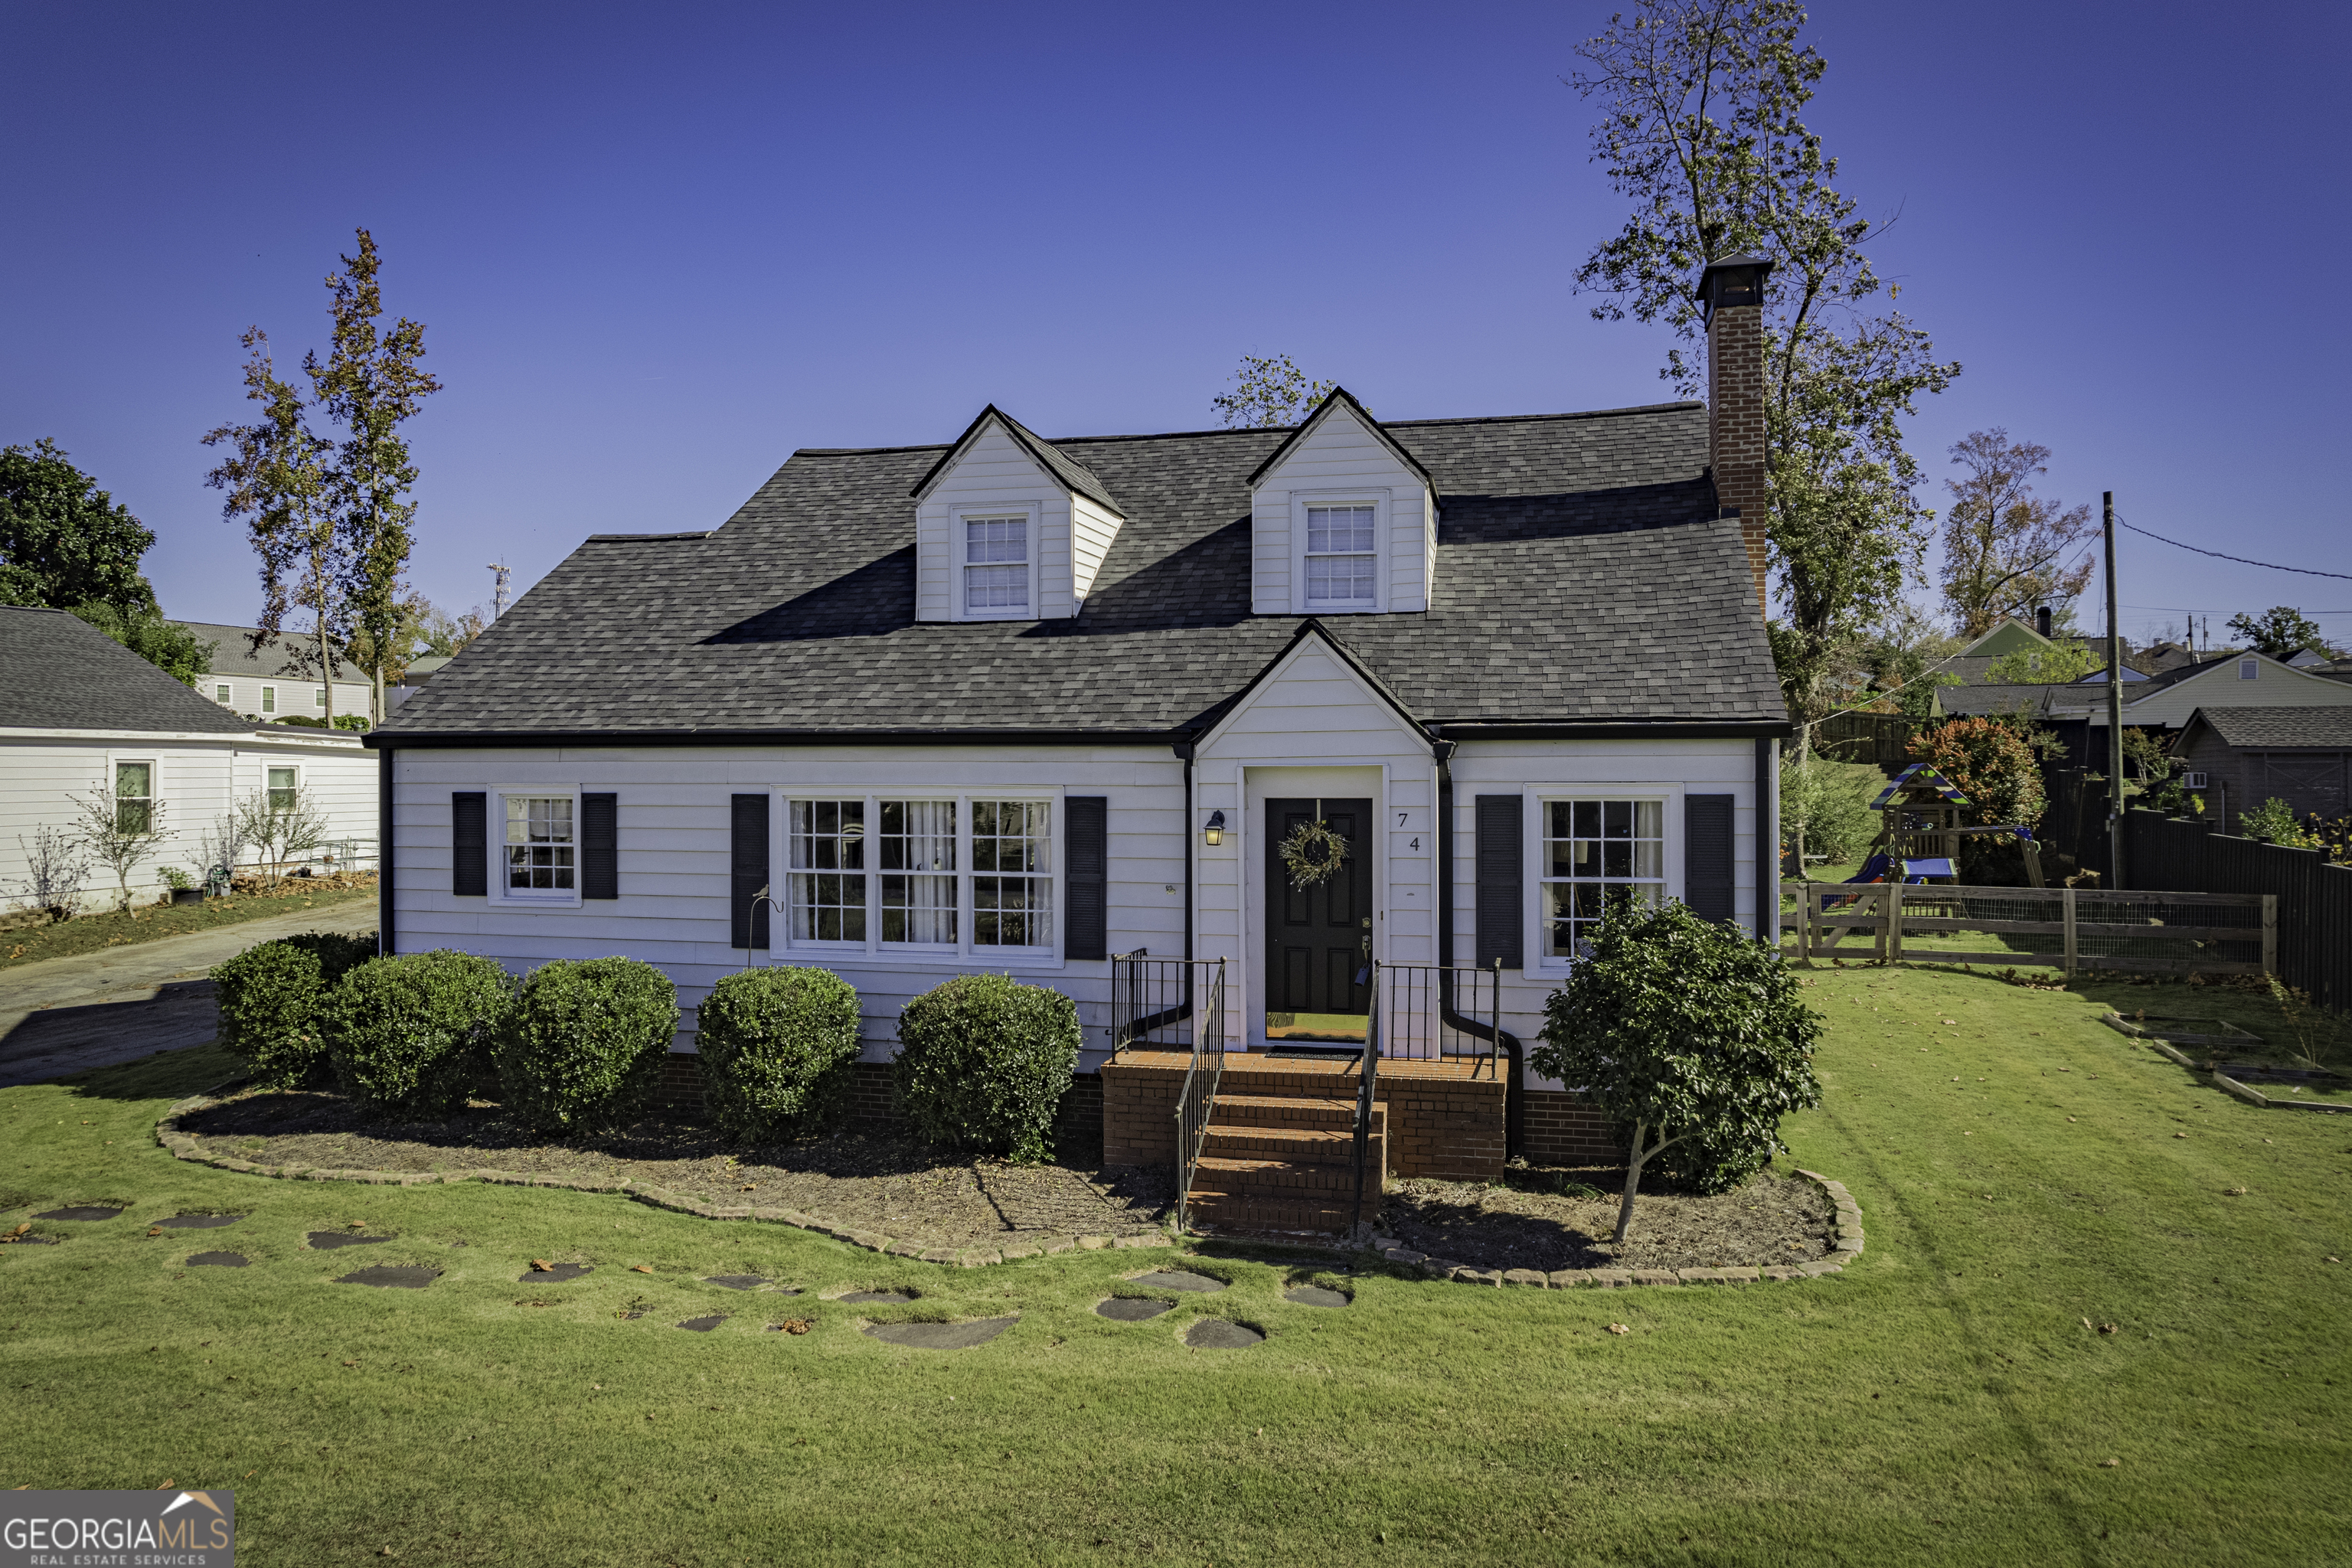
2005, 548
280, 829
217, 847
1269, 393
118, 831
56, 866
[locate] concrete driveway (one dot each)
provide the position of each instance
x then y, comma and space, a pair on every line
64, 1014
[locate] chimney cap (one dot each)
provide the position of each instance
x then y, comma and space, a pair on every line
1734, 280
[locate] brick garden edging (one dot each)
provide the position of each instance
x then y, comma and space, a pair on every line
1848, 1248
185, 1147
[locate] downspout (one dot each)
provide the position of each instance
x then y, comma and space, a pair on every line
384, 907
1515, 1092
1768, 832
1184, 749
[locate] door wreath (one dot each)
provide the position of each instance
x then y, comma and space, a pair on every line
1312, 854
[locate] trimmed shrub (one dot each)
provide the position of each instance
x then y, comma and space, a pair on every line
584, 1043
410, 1035
269, 997
776, 1048
982, 1062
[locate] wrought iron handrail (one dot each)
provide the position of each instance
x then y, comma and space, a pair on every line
1368, 1072
1196, 1101
1152, 999
1440, 1011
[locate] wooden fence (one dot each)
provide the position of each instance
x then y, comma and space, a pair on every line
2314, 899
2069, 929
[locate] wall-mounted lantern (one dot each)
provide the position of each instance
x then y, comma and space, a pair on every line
1214, 832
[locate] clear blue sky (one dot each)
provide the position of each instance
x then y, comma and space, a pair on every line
657, 248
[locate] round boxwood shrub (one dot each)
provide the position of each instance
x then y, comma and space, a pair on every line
982, 1062
776, 1048
269, 996
410, 1035
582, 1045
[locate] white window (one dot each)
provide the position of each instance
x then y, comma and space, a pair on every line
1342, 556
891, 873
285, 788
134, 797
996, 565
319, 698
1596, 852
269, 699
221, 693
2250, 669
540, 846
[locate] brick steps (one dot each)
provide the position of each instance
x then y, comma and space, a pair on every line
1247, 1211
1284, 1161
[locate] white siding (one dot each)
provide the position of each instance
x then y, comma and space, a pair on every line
2275, 685
1092, 529
994, 471
1340, 457
296, 697
196, 779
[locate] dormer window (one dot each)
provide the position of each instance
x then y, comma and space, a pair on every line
996, 565
1342, 556
2249, 669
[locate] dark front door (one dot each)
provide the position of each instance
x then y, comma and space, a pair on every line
1319, 939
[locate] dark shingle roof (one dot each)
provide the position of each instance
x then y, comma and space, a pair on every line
1580, 577
1973, 701
1053, 460
64, 674
233, 654
2280, 729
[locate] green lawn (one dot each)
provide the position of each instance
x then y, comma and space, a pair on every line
92, 933
1941, 1403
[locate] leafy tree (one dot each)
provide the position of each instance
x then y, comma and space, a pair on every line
2054, 665
1700, 130
371, 384
2281, 632
167, 644
1992, 760
1827, 803
2005, 548
64, 542
280, 484
1268, 392
2274, 822
443, 634
1685, 1031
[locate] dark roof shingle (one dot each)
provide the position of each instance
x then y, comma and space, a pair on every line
2280, 729
66, 674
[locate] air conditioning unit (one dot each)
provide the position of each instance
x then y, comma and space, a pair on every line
2193, 780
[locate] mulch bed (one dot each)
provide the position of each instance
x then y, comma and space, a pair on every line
1774, 1219
890, 1186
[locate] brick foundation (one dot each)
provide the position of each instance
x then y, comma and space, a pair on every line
1560, 1129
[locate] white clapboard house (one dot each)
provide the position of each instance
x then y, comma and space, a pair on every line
1014, 704
82, 716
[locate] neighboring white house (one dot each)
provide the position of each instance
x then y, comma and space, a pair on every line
267, 684
81, 715
2231, 680
1019, 705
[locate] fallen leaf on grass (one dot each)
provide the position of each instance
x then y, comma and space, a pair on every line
1619, 1329
1951, 1020
351, 1363
2106, 1328
2110, 1464
2180, 1135
2234, 1192
796, 1325
542, 1264
641, 1269
2086, 1323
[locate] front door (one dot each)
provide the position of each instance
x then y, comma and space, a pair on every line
1319, 956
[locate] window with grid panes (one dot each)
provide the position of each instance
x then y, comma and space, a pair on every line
134, 797
827, 890
540, 844
917, 849
1596, 852
285, 786
1012, 873
1342, 555
996, 563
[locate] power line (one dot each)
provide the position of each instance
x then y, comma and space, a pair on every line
2266, 565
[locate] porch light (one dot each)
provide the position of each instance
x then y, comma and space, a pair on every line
1214, 834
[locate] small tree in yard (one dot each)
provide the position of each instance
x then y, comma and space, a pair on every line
281, 823
56, 866
118, 828
1685, 1030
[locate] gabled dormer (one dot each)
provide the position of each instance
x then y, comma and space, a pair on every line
1008, 528
1343, 519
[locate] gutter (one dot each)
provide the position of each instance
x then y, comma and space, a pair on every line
549, 740
385, 929
1515, 1092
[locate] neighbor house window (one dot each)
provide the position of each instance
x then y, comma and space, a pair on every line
918, 872
1340, 554
827, 888
1596, 853
269, 699
2249, 669
996, 564
1012, 884
221, 693
319, 700
134, 797
285, 785
539, 846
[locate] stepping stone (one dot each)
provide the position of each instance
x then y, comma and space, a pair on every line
81, 1212
942, 1336
1219, 1334
555, 1276
1315, 1296
217, 1260
1178, 1280
736, 1281
704, 1325
197, 1221
884, 1297
328, 1241
392, 1276
1132, 1309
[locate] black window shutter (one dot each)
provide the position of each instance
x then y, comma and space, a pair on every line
746, 840
1502, 883
1085, 876
600, 848
1706, 856
469, 844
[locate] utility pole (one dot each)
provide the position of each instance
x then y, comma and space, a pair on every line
499, 593
2115, 706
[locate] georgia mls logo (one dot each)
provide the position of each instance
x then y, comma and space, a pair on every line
118, 1529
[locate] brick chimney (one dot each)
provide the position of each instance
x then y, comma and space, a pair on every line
1732, 290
